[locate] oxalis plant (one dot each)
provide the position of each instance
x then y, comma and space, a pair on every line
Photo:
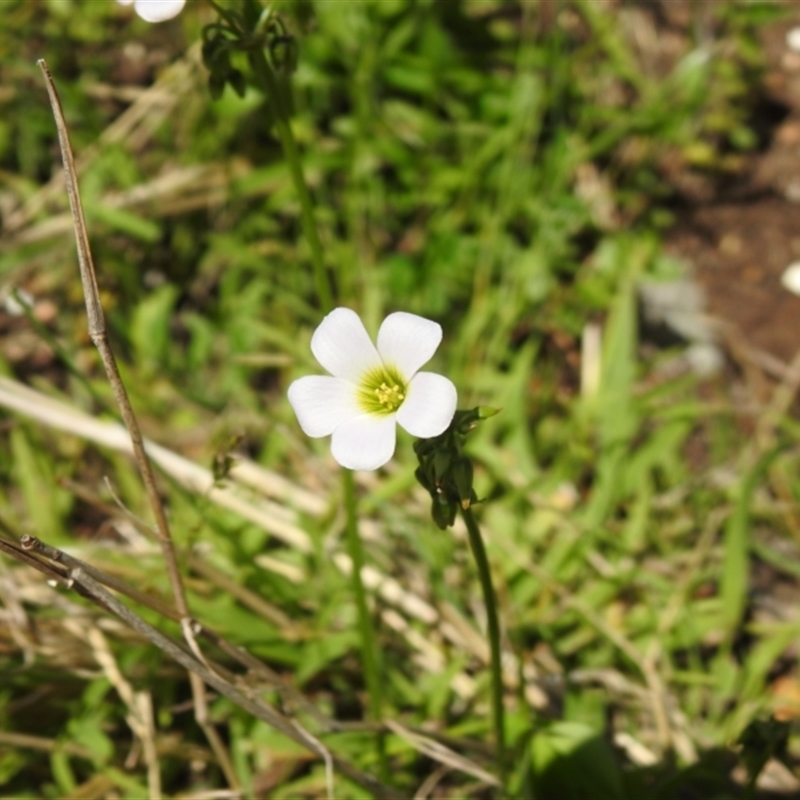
370, 388
369, 391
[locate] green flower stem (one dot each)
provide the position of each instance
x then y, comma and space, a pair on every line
266, 78
485, 576
283, 128
369, 650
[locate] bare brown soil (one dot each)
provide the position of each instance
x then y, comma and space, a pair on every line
741, 238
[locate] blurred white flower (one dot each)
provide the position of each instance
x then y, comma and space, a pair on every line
155, 10
371, 390
790, 279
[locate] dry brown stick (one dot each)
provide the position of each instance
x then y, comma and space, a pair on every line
28, 742
194, 562
260, 672
99, 337
63, 566
78, 577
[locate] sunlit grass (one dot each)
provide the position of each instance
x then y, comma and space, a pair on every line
482, 164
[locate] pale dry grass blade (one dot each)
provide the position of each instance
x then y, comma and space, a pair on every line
272, 484
439, 752
133, 128
178, 191
275, 519
139, 704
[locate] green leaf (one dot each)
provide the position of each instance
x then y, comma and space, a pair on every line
734, 583
124, 221
86, 731
150, 327
44, 500
322, 652
63, 775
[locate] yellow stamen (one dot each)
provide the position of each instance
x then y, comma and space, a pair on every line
389, 396
382, 391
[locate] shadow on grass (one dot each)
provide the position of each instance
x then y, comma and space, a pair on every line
570, 763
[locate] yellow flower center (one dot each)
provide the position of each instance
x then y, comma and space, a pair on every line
381, 391
390, 396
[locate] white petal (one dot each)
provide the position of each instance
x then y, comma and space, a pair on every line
429, 405
366, 442
158, 10
342, 345
407, 341
791, 277
322, 403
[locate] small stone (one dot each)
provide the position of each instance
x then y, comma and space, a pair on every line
705, 359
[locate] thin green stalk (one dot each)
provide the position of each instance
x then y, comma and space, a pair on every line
283, 128
490, 600
369, 649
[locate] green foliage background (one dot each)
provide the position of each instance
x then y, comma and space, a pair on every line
496, 166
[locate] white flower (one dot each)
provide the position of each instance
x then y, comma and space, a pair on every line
369, 390
155, 10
